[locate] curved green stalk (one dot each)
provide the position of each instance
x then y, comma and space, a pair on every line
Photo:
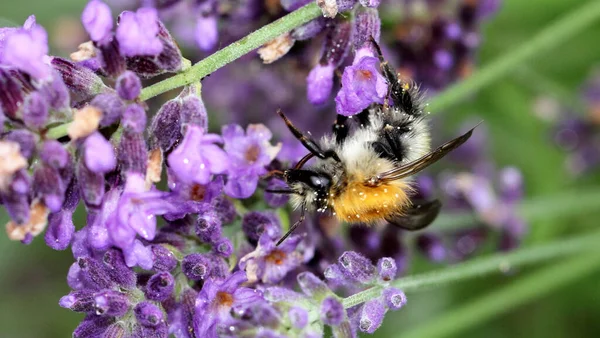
485, 265
521, 291
235, 50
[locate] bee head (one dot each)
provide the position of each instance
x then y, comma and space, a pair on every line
312, 185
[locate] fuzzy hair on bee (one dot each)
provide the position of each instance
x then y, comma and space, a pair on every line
364, 169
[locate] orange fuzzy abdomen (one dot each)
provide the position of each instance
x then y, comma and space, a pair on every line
361, 203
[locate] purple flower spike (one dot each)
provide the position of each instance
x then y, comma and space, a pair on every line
128, 85
298, 317
361, 85
320, 83
160, 286
164, 259
332, 311
197, 157
97, 20
196, 266
148, 314
206, 33
99, 154
386, 269
25, 50
394, 298
35, 111
111, 303
357, 267
137, 33
372, 315
60, 230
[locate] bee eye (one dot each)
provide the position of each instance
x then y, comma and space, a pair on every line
319, 181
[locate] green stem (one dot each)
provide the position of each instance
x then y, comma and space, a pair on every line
554, 35
485, 265
234, 50
565, 203
519, 292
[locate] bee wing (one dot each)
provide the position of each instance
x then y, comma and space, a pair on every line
417, 165
418, 216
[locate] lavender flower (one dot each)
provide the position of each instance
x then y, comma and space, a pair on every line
362, 84
25, 49
137, 33
249, 153
97, 20
197, 157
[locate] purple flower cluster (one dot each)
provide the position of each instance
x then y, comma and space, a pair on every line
197, 256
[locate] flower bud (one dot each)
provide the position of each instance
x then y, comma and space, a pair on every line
193, 112
81, 81
195, 266
160, 286
366, 25
394, 298
99, 155
148, 314
134, 118
208, 227
386, 269
128, 85
132, 154
11, 94
223, 247
78, 301
93, 326
60, 230
111, 106
311, 285
165, 129
94, 273
114, 264
254, 224
111, 303
54, 154
357, 267
163, 258
35, 111
91, 185
332, 311
97, 20
48, 185
371, 315
224, 209
298, 317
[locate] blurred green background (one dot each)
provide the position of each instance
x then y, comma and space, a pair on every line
32, 278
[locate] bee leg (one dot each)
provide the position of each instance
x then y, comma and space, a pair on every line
287, 234
400, 92
306, 141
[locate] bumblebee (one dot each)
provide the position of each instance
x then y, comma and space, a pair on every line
363, 169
